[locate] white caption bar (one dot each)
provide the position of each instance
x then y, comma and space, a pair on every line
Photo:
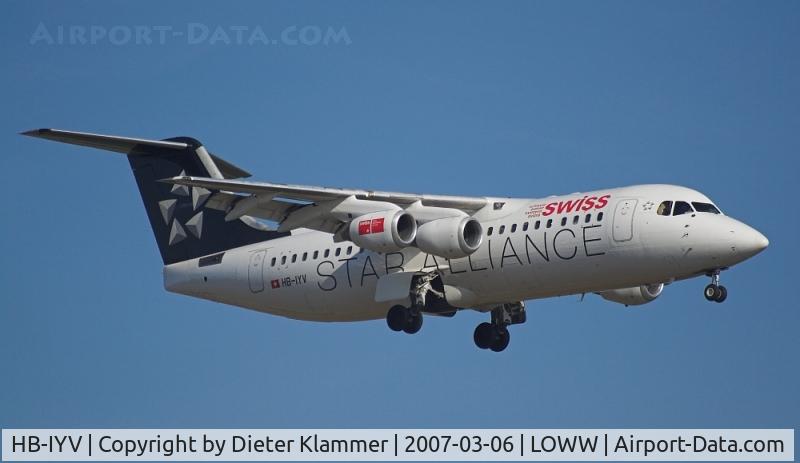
397, 445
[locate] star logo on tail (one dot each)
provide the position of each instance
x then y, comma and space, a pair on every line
194, 225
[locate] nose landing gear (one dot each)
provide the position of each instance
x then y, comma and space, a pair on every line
715, 292
495, 335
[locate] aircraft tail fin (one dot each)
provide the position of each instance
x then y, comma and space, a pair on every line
183, 228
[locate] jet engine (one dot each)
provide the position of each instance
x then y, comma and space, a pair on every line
637, 295
384, 231
451, 237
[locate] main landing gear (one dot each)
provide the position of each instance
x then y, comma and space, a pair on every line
715, 292
427, 295
495, 335
408, 319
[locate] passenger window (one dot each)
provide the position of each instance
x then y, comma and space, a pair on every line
575, 220
349, 250
682, 208
305, 256
502, 229
664, 208
294, 258
316, 254
549, 223
563, 221
273, 262
599, 216
705, 207
588, 218
327, 253
537, 224
489, 232
525, 226
338, 251
513, 228
283, 260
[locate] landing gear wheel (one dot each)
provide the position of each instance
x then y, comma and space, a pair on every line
397, 318
501, 340
414, 324
722, 294
715, 291
401, 318
710, 292
484, 335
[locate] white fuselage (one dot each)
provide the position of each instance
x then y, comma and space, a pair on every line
577, 247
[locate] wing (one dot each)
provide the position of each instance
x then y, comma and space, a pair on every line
292, 206
321, 208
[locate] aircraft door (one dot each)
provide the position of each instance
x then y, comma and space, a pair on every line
255, 271
623, 220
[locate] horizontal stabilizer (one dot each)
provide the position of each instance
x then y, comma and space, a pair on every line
126, 145
103, 142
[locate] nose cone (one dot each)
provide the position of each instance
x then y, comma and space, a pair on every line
748, 241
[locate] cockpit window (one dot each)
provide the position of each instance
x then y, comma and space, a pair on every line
705, 207
664, 208
682, 208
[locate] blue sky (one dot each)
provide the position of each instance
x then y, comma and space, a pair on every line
475, 98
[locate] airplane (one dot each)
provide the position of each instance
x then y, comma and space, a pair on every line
340, 255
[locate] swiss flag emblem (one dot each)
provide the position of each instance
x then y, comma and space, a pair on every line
276, 284
364, 227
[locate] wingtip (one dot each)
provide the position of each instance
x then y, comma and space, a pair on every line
34, 132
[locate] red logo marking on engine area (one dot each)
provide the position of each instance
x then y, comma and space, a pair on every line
367, 227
